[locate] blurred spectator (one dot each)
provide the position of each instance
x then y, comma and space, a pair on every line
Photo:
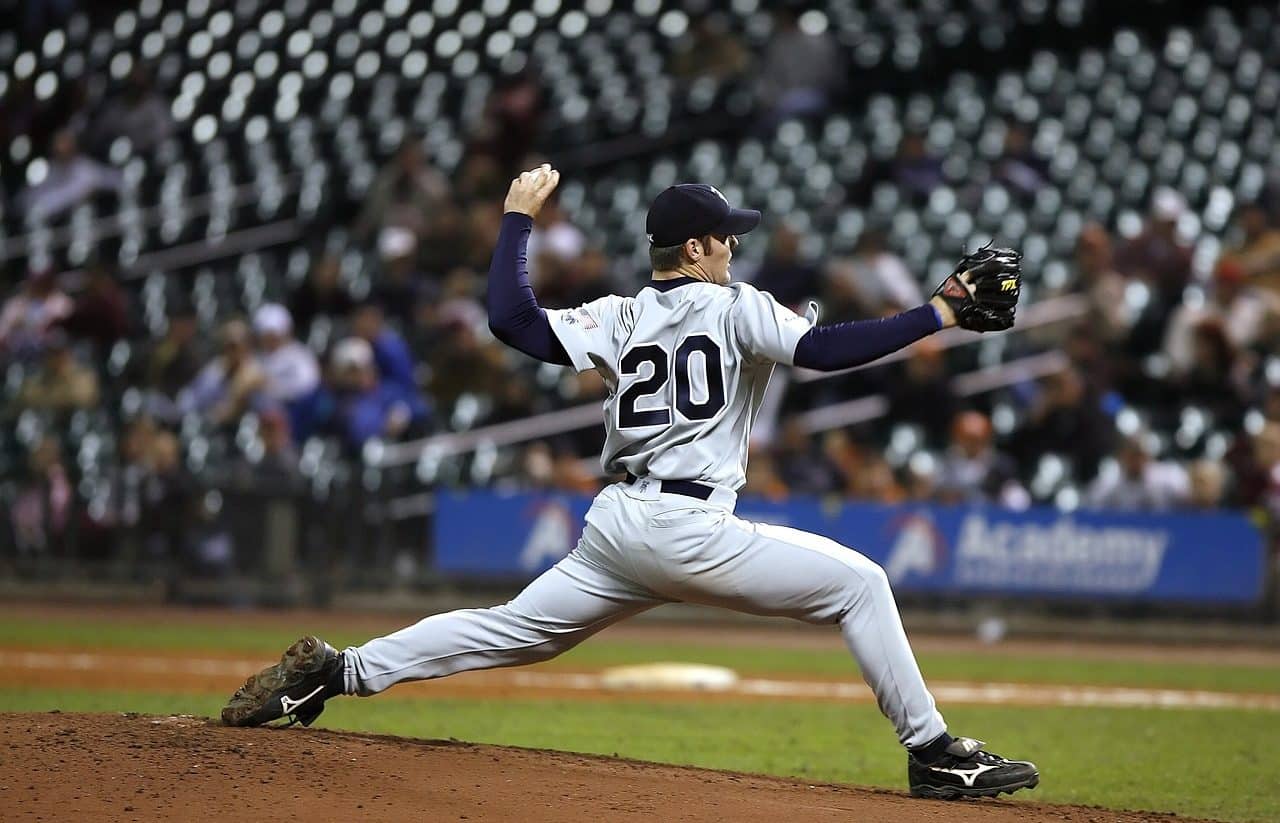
1215, 377
1271, 402
228, 384
972, 471
1208, 484
569, 474
874, 282
1266, 457
1135, 482
322, 295
1019, 168
1109, 315
1156, 255
405, 192
555, 244
762, 478
1251, 460
512, 118
783, 272
174, 360
516, 398
580, 281
61, 384
366, 405
1244, 313
465, 361
479, 177
546, 468
279, 461
399, 283
920, 478
1065, 418
846, 456
922, 394
30, 315
801, 73
880, 484
124, 508
1101, 367
72, 178
137, 113
915, 171
537, 467
1258, 246
43, 512
446, 241
479, 231
167, 495
457, 302
291, 374
709, 50
800, 463
101, 312
390, 351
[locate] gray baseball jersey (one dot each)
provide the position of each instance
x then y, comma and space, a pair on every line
686, 363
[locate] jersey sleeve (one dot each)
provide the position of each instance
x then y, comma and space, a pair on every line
588, 332
764, 328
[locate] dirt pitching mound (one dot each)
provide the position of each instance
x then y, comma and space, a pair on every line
102, 767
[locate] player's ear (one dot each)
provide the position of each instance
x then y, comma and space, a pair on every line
693, 249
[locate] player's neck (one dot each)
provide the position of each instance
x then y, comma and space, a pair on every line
683, 272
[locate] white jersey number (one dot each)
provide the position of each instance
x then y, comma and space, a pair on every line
633, 361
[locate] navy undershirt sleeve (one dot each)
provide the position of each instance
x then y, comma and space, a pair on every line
845, 345
515, 317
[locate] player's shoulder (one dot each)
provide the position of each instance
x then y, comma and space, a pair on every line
741, 289
745, 294
611, 308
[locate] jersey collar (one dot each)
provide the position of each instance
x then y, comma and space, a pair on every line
674, 283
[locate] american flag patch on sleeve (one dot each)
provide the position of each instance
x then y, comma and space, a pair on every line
583, 317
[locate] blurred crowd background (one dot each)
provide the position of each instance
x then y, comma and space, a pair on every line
244, 248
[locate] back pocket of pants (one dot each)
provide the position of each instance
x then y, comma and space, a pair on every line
675, 518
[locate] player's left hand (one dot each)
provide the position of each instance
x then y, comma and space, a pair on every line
531, 189
982, 293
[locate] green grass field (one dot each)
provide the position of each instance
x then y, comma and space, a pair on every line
1221, 764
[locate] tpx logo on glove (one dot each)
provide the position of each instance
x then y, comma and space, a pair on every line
1009, 284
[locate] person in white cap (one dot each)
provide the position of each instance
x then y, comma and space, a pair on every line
292, 373
291, 368
366, 405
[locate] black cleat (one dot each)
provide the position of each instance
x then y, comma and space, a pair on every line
965, 770
294, 687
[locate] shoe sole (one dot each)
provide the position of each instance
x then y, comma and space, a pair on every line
305, 657
957, 792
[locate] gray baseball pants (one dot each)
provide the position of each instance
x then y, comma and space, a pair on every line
642, 547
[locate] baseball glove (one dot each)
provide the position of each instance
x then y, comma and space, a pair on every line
983, 290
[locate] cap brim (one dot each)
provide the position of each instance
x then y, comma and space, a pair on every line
738, 221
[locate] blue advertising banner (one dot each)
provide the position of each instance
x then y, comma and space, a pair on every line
1041, 552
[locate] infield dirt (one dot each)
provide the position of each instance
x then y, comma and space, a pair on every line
114, 767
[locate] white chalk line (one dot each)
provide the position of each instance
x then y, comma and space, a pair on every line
945, 692
951, 692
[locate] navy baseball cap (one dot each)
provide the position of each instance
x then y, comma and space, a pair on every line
695, 210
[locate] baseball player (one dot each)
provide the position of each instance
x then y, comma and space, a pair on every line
686, 361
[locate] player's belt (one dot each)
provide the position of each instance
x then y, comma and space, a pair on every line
686, 487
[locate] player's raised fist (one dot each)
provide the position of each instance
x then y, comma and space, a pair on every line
531, 189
